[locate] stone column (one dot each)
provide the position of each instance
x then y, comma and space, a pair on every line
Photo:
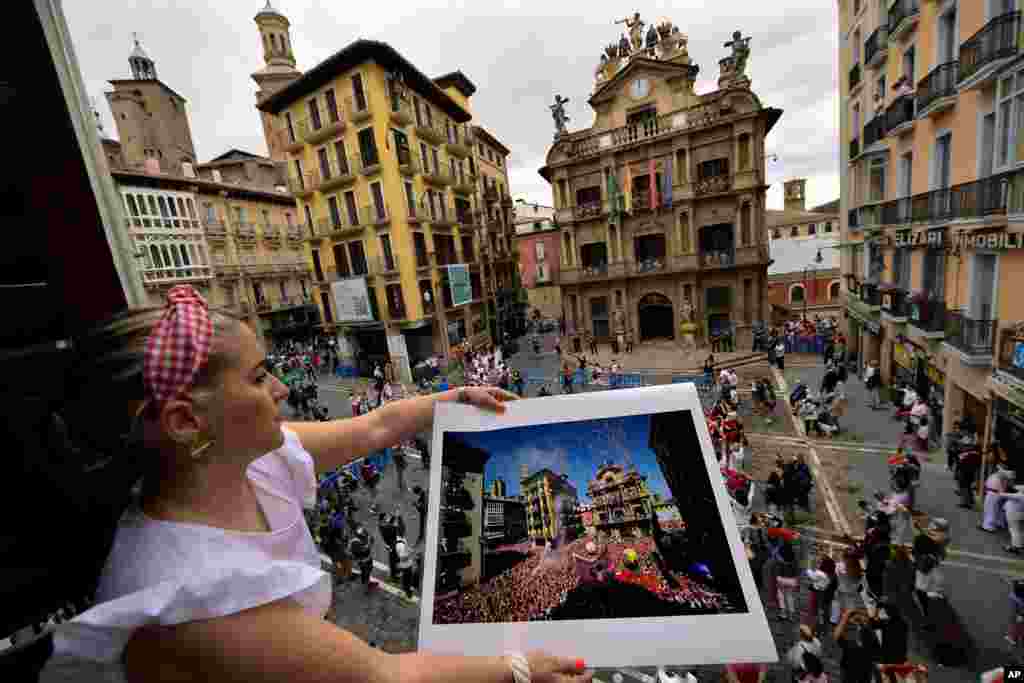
399, 354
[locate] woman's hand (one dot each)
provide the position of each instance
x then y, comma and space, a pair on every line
486, 398
545, 668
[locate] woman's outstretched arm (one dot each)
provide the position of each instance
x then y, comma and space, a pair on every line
339, 442
282, 641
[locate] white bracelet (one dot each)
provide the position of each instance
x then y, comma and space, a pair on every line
520, 667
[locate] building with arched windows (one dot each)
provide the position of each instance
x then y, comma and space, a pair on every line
799, 280
660, 201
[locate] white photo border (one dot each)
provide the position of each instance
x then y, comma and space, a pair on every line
658, 641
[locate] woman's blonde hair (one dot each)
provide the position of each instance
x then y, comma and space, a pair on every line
105, 381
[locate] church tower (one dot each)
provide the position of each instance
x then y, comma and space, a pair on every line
278, 70
151, 119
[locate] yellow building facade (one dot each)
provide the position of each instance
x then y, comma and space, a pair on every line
932, 201
381, 161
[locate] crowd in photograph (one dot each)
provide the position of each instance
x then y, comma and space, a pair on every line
533, 588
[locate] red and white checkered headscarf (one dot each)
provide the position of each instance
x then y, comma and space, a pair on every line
179, 344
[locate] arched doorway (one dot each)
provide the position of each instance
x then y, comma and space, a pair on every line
655, 316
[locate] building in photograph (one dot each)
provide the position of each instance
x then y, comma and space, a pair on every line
461, 536
661, 199
504, 520
804, 278
538, 241
228, 227
795, 221
586, 513
621, 504
385, 166
545, 494
932, 200
497, 488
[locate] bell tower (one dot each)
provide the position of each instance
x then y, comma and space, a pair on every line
278, 70
794, 194
143, 68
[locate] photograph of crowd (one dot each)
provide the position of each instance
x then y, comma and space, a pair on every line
591, 519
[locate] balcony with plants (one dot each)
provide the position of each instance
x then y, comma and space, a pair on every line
974, 338
903, 18
927, 314
982, 53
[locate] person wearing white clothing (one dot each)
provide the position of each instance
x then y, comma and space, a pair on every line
1013, 506
213, 573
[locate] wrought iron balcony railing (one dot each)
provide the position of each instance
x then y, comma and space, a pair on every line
874, 130
895, 303
902, 9
900, 111
998, 39
928, 316
877, 44
972, 336
940, 83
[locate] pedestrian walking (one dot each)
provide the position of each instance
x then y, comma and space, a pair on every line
780, 355
629, 343
873, 381
419, 504
999, 482
361, 550
787, 582
404, 564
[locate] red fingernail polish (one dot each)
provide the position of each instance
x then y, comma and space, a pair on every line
580, 665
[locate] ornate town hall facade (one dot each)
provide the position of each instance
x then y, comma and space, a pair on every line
661, 202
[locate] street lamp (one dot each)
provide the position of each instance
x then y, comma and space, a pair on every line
812, 268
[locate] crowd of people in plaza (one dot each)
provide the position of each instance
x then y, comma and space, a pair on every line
535, 587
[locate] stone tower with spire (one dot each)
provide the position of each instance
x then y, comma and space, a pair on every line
151, 119
278, 69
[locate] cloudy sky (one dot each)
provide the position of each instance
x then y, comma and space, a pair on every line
519, 53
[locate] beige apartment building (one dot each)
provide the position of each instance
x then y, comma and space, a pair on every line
661, 200
228, 227
932, 201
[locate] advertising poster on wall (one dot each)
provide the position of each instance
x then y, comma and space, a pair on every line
629, 536
351, 300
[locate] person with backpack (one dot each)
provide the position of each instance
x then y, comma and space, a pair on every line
361, 550
807, 644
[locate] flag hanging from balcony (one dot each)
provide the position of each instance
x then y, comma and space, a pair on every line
666, 181
627, 191
652, 181
614, 213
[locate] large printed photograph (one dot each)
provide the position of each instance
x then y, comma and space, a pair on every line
605, 518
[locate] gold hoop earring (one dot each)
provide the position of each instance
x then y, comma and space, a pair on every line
198, 451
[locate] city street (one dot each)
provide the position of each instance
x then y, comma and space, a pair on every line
977, 570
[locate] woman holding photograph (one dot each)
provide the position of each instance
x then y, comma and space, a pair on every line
190, 411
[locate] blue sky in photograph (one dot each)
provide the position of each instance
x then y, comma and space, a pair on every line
573, 448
